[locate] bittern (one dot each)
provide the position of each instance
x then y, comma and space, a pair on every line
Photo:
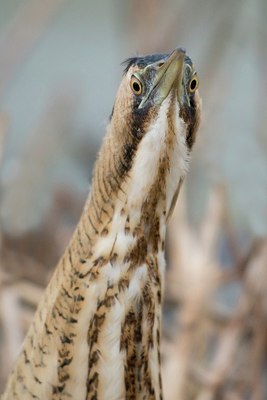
96, 333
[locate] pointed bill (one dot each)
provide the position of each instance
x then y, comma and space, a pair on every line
169, 74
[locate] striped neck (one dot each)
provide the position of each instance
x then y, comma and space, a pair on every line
135, 182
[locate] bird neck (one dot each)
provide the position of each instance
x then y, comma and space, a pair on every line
135, 183
96, 333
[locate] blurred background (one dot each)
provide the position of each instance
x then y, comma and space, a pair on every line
59, 71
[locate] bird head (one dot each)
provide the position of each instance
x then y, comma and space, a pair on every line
148, 81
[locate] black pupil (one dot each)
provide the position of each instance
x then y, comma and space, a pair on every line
193, 84
136, 87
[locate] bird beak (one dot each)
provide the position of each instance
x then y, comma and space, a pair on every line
167, 76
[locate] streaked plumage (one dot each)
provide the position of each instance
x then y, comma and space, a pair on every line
96, 333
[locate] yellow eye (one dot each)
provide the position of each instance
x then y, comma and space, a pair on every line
136, 86
193, 85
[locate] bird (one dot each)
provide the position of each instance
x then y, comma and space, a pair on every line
97, 330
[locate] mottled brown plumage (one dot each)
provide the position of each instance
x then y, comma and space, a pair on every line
96, 333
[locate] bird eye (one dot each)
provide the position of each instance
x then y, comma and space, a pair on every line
136, 86
193, 84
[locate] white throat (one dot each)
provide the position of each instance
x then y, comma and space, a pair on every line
151, 149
